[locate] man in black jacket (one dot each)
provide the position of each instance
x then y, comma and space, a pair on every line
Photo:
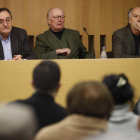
46, 77
14, 44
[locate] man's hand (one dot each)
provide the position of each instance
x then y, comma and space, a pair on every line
17, 57
65, 51
138, 26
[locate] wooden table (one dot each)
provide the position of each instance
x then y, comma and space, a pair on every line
16, 76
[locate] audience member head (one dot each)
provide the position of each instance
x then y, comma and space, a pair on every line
55, 19
120, 88
17, 122
5, 22
46, 77
90, 99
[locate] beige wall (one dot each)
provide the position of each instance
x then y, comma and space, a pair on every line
100, 17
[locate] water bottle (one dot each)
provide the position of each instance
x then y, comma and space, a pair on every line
103, 53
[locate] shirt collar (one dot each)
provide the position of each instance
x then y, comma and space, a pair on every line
1, 38
136, 37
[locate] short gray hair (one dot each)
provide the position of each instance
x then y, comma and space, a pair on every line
17, 122
129, 15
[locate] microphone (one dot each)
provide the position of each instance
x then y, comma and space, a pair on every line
21, 44
90, 43
85, 30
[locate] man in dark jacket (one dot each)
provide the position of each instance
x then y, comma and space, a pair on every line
46, 77
126, 41
14, 44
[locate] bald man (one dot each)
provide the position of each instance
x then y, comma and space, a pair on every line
59, 42
126, 41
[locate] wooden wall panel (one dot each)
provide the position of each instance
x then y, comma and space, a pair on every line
67, 13
91, 17
103, 17
19, 13
97, 29
37, 16
85, 21
137, 2
114, 15
99, 17
45, 6
25, 12
31, 18
1, 3
120, 16
109, 12
6, 3
73, 14
13, 11
79, 25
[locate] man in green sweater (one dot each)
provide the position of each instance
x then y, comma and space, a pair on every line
59, 42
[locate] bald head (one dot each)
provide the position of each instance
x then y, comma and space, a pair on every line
55, 19
52, 10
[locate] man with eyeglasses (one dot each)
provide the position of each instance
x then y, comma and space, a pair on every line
59, 42
14, 44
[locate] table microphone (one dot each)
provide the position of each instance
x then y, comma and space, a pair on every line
85, 30
92, 42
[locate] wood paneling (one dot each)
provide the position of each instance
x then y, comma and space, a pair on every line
99, 17
97, 28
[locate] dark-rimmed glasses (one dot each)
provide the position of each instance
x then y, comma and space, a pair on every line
57, 17
8, 21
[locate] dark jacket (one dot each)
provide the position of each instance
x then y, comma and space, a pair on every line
123, 44
47, 111
19, 44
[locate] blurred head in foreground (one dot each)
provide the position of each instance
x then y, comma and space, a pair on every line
46, 77
17, 122
120, 88
91, 99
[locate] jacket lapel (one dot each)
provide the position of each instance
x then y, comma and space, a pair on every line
1, 51
71, 42
51, 39
14, 44
130, 40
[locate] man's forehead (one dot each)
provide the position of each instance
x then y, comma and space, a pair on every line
56, 11
136, 10
4, 14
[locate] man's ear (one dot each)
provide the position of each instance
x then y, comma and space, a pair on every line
59, 85
32, 83
129, 21
48, 20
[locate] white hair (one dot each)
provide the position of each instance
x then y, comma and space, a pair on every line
17, 122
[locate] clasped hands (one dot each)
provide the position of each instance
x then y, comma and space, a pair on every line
65, 51
17, 57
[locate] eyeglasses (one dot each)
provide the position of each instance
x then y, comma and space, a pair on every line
8, 21
57, 17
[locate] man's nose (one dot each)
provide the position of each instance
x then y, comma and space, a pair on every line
5, 23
